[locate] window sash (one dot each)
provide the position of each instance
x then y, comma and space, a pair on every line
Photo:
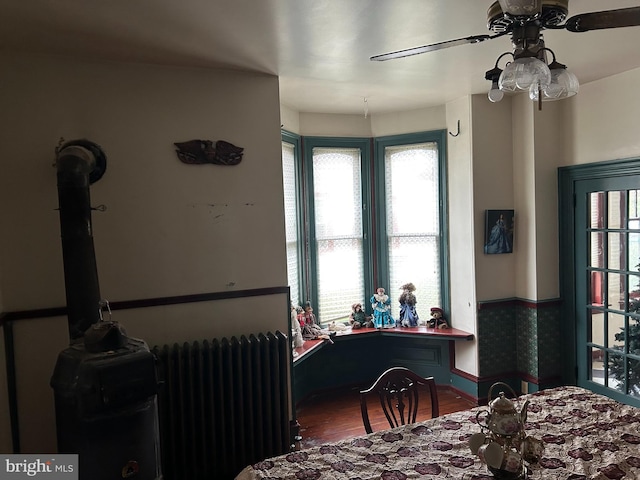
338, 230
292, 214
412, 220
398, 238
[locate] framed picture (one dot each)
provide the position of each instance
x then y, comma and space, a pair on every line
498, 236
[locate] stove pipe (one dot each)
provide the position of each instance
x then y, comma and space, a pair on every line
105, 383
79, 163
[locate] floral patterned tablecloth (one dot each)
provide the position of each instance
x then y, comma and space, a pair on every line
586, 436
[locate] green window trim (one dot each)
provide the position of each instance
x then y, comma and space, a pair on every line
376, 264
380, 143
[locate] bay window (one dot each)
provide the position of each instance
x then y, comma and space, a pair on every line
370, 213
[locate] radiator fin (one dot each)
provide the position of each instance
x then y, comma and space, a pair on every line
224, 404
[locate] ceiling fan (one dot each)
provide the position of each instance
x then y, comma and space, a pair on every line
525, 20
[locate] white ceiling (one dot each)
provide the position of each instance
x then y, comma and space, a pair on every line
320, 49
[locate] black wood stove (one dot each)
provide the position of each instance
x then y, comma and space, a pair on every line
105, 383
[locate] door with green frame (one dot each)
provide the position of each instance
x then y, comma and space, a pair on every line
607, 285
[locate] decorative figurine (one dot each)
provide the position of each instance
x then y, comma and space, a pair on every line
337, 327
358, 319
381, 304
300, 315
311, 330
296, 329
308, 316
408, 315
203, 151
437, 319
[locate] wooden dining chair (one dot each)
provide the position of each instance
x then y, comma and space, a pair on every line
398, 392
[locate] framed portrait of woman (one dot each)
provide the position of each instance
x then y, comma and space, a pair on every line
499, 226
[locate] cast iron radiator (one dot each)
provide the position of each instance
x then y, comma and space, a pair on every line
224, 404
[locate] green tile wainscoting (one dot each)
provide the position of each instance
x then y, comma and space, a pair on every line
523, 334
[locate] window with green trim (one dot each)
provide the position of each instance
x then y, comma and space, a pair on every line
293, 233
370, 213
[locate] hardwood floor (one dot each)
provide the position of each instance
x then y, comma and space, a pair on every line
335, 415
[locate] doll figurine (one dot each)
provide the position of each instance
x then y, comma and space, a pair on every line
437, 319
408, 315
311, 330
300, 315
296, 329
308, 316
357, 318
381, 304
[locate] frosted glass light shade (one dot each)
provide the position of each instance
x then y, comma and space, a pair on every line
495, 95
522, 73
564, 84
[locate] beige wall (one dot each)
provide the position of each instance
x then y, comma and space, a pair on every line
169, 228
461, 232
378, 125
419, 120
327, 125
524, 167
493, 189
289, 119
180, 222
604, 120
537, 151
549, 135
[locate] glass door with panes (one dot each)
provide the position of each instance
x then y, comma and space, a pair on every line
607, 273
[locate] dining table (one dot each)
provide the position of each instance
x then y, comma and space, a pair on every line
585, 436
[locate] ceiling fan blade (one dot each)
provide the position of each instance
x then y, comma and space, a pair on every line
434, 46
520, 8
622, 17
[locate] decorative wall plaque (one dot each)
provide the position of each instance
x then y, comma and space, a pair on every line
203, 151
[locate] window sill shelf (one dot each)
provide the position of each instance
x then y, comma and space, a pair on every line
312, 346
305, 350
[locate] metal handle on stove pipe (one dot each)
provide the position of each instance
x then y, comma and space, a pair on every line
102, 305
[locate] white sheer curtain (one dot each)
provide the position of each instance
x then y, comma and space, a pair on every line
413, 222
291, 219
338, 225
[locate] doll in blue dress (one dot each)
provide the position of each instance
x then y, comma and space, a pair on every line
381, 305
408, 315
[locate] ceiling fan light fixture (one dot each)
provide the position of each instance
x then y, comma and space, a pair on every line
564, 84
568, 81
493, 75
520, 74
495, 94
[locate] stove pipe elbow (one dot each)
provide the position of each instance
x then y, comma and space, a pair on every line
79, 163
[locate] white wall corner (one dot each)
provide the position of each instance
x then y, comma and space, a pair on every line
461, 231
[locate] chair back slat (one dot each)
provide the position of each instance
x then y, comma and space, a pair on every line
398, 393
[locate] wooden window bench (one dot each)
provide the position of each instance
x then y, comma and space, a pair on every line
356, 357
